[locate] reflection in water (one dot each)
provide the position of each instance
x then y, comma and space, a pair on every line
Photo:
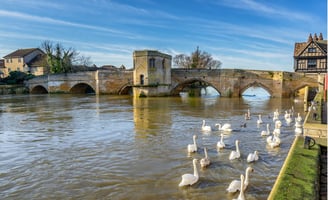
120, 147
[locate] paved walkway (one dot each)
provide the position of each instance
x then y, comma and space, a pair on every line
323, 173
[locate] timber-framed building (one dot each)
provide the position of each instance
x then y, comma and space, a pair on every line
311, 56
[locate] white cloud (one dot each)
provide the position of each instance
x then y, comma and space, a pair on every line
268, 10
48, 20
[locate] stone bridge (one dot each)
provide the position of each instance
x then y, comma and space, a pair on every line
228, 82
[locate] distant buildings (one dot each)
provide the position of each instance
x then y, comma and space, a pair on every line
30, 60
311, 56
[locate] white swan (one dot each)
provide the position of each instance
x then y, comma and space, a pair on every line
266, 132
248, 114
299, 118
226, 127
273, 141
297, 124
220, 143
252, 157
289, 120
277, 124
190, 179
192, 147
259, 121
234, 186
206, 127
275, 115
241, 195
298, 131
235, 154
204, 162
276, 130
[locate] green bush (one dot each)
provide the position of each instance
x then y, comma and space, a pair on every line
16, 77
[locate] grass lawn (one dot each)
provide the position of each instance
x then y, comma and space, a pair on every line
300, 174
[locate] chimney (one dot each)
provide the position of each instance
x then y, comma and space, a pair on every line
315, 37
310, 39
320, 36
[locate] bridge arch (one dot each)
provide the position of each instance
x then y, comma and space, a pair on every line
39, 89
183, 84
126, 90
256, 84
296, 90
82, 88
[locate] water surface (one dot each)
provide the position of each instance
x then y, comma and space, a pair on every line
120, 147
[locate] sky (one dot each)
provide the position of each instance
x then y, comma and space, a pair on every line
242, 34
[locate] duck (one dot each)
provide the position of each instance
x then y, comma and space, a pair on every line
190, 179
235, 154
252, 157
234, 186
204, 162
206, 127
192, 147
226, 127
220, 144
259, 121
241, 195
266, 132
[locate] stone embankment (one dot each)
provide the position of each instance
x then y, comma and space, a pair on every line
13, 89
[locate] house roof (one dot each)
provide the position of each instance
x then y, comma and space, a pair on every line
301, 46
38, 61
323, 45
21, 52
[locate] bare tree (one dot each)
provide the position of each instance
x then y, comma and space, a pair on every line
197, 59
60, 59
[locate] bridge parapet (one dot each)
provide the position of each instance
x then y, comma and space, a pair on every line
228, 82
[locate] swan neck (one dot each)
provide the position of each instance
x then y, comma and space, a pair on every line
205, 151
195, 169
237, 147
246, 177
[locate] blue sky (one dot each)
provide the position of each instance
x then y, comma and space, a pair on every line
243, 34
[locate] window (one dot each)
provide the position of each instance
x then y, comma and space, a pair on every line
312, 63
152, 63
311, 50
141, 79
19, 60
7, 60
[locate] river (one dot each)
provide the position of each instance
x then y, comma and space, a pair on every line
120, 147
